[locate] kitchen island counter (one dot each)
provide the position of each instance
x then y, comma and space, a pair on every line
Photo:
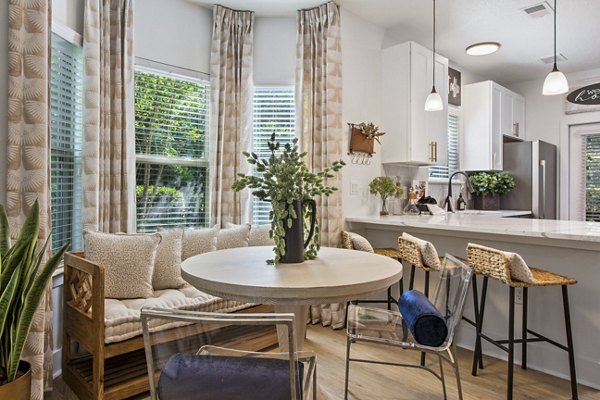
570, 248
570, 234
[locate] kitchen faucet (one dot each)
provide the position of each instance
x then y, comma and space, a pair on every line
448, 202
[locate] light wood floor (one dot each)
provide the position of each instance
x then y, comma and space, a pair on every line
370, 382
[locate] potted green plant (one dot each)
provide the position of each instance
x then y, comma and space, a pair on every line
489, 186
385, 188
23, 280
285, 180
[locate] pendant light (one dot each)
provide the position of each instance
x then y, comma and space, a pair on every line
556, 82
434, 100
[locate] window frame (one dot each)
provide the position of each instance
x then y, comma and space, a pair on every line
577, 167
456, 110
289, 89
185, 74
76, 222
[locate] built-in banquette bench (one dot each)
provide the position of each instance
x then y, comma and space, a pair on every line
103, 349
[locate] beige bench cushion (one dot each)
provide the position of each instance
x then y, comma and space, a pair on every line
122, 317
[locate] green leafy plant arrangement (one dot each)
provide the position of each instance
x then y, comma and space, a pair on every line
23, 281
370, 131
494, 183
385, 188
282, 178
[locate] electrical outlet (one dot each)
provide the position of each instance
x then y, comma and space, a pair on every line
519, 295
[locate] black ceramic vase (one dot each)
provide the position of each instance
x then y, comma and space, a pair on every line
294, 236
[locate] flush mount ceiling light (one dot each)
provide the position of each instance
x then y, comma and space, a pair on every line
555, 82
483, 48
434, 101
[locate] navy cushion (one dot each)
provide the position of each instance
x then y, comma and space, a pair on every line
226, 378
424, 321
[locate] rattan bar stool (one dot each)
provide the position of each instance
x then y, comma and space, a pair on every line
496, 264
354, 241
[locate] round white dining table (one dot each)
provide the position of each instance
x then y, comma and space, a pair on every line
336, 275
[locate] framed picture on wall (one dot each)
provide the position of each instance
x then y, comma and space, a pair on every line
454, 87
584, 96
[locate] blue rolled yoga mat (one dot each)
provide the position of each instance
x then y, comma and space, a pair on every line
424, 321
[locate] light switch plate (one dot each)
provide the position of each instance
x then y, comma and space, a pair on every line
354, 189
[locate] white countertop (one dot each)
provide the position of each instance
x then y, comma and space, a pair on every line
485, 224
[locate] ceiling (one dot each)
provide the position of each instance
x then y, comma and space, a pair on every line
525, 40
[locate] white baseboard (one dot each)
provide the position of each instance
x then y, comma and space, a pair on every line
57, 363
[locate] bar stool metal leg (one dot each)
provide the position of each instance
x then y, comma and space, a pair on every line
511, 342
524, 330
479, 322
411, 283
570, 350
476, 312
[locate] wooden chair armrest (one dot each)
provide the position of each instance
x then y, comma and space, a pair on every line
84, 288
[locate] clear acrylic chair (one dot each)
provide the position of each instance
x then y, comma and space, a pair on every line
197, 355
383, 327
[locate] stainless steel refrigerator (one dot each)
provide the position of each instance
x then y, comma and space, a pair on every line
534, 166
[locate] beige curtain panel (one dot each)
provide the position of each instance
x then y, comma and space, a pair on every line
319, 113
28, 148
109, 134
231, 112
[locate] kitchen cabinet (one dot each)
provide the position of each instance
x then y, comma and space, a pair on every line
413, 136
490, 113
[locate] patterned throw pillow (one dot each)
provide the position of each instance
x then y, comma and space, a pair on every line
428, 251
238, 236
360, 243
519, 270
198, 241
128, 262
167, 268
259, 234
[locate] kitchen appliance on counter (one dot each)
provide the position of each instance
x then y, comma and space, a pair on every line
534, 167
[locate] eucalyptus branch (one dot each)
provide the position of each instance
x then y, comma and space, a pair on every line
281, 178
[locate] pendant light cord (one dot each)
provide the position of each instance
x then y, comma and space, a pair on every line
433, 60
554, 33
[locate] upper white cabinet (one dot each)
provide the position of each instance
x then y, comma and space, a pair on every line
490, 112
413, 136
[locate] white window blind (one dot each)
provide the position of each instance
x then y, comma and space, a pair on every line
444, 171
66, 142
591, 154
274, 111
171, 142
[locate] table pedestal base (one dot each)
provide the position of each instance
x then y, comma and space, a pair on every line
300, 315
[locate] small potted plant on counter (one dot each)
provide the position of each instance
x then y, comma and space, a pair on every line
384, 187
488, 187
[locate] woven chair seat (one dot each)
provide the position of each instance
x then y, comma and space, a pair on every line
545, 278
388, 252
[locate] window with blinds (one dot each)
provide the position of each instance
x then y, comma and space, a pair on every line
171, 143
444, 171
66, 142
274, 111
591, 151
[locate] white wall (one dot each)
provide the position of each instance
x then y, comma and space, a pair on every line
361, 80
3, 96
274, 51
69, 13
173, 32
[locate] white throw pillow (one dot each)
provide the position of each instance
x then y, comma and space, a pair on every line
519, 270
428, 251
259, 234
198, 241
167, 268
238, 236
360, 243
128, 262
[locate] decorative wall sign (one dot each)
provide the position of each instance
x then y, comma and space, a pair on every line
454, 86
584, 98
